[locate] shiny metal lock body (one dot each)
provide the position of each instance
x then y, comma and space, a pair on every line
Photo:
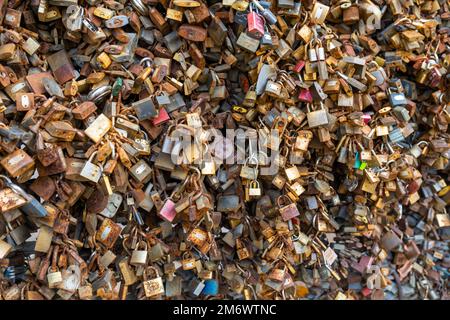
254, 189
140, 254
317, 118
273, 88
90, 170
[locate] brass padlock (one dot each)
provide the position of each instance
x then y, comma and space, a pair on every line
141, 171
303, 139
152, 287
188, 261
254, 189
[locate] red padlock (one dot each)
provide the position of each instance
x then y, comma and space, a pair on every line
305, 96
162, 117
299, 66
255, 24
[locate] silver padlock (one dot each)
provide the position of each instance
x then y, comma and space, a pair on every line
416, 151
273, 88
139, 257
312, 55
396, 135
90, 170
74, 21
116, 22
114, 202
401, 113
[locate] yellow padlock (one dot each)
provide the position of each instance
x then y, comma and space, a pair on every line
104, 60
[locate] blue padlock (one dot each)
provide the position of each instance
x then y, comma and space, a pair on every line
211, 288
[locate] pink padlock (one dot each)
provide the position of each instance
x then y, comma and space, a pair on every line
168, 212
299, 66
255, 24
305, 96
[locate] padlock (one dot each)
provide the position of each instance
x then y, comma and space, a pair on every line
397, 98
128, 274
291, 173
141, 171
152, 287
305, 95
350, 14
266, 13
198, 237
84, 110
250, 98
24, 101
90, 170
168, 211
317, 118
416, 150
382, 130
104, 60
266, 39
17, 163
345, 100
319, 13
247, 43
139, 254
188, 261
108, 233
27, 202
321, 64
61, 66
241, 250
297, 188
303, 139
248, 172
254, 189
208, 167
273, 88
54, 278
287, 211
114, 202
255, 24
98, 128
